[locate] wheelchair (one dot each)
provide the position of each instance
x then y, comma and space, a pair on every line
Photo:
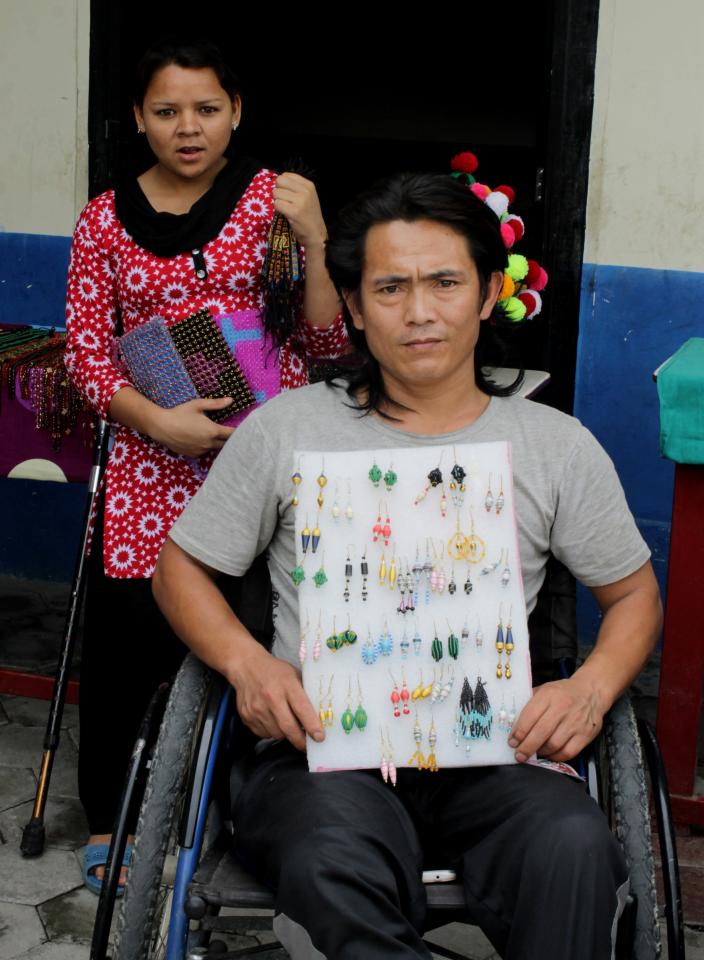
184, 873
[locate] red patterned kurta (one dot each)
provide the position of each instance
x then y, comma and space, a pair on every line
147, 487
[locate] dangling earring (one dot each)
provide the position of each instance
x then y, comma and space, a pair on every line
388, 767
386, 641
418, 757
303, 646
457, 485
235, 125
349, 512
452, 586
392, 571
386, 529
436, 647
482, 713
360, 717
453, 644
364, 568
489, 498
506, 573
317, 645
464, 636
410, 600
390, 478
347, 718
322, 481
476, 548
395, 698
348, 577
296, 480
315, 536
404, 645
508, 645
375, 473
348, 637
370, 650
320, 577
322, 713
468, 584
499, 644
431, 762
500, 499
377, 528
464, 714
382, 570
479, 636
417, 641
298, 574
305, 537
335, 511
332, 642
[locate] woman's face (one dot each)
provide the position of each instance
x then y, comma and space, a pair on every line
188, 120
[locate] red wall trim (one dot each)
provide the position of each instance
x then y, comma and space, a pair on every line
31, 685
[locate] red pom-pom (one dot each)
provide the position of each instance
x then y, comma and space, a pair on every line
533, 274
509, 191
464, 162
542, 280
516, 224
507, 235
532, 301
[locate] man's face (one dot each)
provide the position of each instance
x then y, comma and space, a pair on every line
420, 302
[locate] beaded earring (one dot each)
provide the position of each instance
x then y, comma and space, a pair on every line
315, 536
392, 571
464, 635
296, 480
360, 716
452, 586
436, 646
347, 718
386, 641
305, 537
390, 478
508, 645
326, 715
482, 713
382, 570
417, 641
364, 570
375, 473
506, 572
499, 644
453, 644
457, 484
388, 767
479, 636
489, 497
335, 509
476, 548
349, 512
418, 758
499, 505
317, 646
320, 578
468, 586
370, 650
421, 691
464, 715
322, 482
298, 574
302, 645
404, 645
331, 641
502, 719
431, 762
348, 577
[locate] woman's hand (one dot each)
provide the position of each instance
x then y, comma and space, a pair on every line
187, 430
296, 198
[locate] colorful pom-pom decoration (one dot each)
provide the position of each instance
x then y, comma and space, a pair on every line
498, 202
464, 162
532, 301
508, 289
517, 225
507, 235
480, 190
514, 309
509, 191
517, 266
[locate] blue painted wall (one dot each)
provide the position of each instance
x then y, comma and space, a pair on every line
33, 269
631, 320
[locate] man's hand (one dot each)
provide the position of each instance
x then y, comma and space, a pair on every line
271, 699
558, 721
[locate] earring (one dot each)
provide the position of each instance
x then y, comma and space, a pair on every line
377, 528
348, 637
298, 574
464, 715
317, 645
410, 600
502, 719
422, 691
390, 478
417, 641
320, 577
404, 645
395, 698
482, 713
476, 548
392, 571
140, 128
326, 716
348, 577
235, 125
491, 566
506, 573
360, 717
489, 497
322, 482
436, 647
375, 473
296, 480
382, 569
457, 485
452, 586
315, 536
508, 645
305, 537
499, 505
386, 641
347, 718
464, 636
386, 529
468, 587
458, 544
303, 646
370, 650
418, 757
335, 511
479, 636
364, 568
349, 512
453, 644
499, 644
431, 762
388, 767
332, 642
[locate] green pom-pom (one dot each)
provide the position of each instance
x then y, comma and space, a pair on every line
360, 718
320, 578
375, 475
347, 720
298, 575
517, 266
514, 309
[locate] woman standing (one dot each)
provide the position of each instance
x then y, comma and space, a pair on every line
189, 234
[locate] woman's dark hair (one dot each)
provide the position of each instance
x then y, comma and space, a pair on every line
411, 197
192, 54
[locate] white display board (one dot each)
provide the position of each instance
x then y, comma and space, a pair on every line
416, 638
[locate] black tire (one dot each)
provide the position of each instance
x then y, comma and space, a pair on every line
146, 904
627, 804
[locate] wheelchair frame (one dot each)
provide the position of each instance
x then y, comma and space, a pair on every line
175, 815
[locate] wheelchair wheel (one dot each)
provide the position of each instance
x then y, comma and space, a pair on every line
144, 917
627, 804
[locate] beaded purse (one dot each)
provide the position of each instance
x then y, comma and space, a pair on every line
172, 363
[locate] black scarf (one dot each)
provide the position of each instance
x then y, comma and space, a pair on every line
168, 234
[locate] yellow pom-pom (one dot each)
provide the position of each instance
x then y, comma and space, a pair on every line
508, 289
517, 266
514, 309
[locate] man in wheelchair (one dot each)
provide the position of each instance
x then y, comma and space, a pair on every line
419, 261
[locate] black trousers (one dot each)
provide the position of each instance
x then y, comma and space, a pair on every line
543, 876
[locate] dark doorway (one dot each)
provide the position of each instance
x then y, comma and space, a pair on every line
382, 91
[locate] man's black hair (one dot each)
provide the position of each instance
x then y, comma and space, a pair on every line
411, 197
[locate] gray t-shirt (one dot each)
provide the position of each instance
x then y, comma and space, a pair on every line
568, 498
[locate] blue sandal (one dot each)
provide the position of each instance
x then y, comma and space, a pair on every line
96, 855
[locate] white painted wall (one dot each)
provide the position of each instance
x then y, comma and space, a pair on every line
44, 47
646, 180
